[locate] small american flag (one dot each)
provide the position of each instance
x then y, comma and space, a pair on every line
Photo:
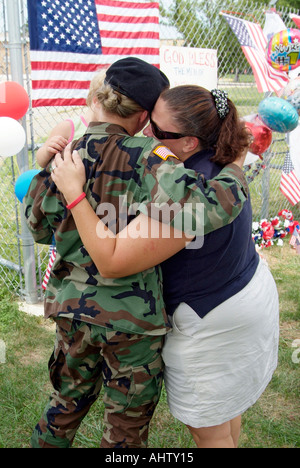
52, 257
71, 40
254, 43
164, 153
295, 240
289, 183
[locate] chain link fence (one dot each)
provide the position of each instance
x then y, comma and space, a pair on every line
184, 23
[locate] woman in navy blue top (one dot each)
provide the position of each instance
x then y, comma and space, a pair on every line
228, 258
221, 298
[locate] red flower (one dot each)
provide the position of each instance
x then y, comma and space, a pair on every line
268, 231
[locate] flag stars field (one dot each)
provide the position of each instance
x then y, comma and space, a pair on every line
71, 41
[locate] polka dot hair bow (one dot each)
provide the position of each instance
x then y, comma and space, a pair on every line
221, 102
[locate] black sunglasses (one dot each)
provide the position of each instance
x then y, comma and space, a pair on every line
162, 135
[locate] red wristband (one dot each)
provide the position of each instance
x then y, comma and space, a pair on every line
75, 202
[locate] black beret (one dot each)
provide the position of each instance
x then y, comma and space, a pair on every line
137, 80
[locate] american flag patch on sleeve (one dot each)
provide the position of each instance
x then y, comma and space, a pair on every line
164, 153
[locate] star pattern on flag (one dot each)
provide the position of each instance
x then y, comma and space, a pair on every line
69, 26
71, 40
288, 165
241, 32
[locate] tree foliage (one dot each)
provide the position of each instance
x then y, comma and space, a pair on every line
293, 4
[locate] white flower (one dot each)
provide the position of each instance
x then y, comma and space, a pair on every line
255, 226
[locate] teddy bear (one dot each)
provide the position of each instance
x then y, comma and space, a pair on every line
290, 224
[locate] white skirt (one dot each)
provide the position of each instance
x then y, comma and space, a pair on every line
218, 366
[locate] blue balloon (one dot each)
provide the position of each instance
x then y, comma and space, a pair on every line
23, 182
278, 114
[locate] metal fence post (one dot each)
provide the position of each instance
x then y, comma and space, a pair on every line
16, 63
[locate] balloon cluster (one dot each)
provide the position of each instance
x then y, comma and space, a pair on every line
283, 53
280, 113
14, 103
275, 114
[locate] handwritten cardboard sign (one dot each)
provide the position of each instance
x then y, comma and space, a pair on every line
188, 65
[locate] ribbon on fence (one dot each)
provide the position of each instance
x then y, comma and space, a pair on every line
49, 267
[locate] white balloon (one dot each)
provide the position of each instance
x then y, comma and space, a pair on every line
12, 137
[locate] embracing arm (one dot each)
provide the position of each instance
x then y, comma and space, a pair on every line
143, 244
219, 200
132, 250
135, 248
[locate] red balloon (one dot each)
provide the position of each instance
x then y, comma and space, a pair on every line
262, 137
14, 100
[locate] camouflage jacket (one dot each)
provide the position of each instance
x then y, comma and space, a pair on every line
140, 172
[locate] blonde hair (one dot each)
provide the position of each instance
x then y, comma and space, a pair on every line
112, 101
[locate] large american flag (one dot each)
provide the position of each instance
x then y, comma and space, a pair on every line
71, 40
254, 43
289, 183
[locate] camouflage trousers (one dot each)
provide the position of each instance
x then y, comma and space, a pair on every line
86, 356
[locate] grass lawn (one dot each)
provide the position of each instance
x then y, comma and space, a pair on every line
273, 422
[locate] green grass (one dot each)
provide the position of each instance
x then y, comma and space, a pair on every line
273, 422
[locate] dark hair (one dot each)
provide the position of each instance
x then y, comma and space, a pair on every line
194, 112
